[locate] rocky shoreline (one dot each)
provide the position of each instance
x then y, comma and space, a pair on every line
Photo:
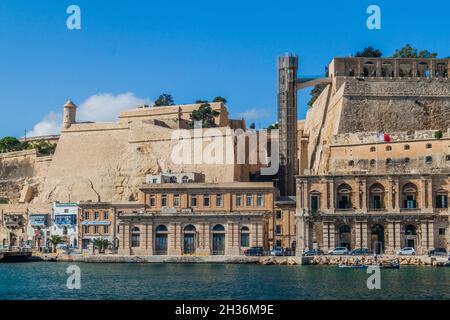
315, 260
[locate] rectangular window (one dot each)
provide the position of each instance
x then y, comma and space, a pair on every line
239, 200
314, 204
87, 216
206, 201
193, 200
442, 231
106, 215
278, 214
249, 200
260, 200
176, 200
245, 239
152, 200
66, 210
96, 229
164, 200
441, 201
410, 202
106, 229
96, 215
219, 201
85, 229
278, 243
278, 229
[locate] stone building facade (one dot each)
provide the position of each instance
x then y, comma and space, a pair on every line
197, 218
282, 224
374, 157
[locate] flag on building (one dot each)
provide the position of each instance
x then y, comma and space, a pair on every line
387, 137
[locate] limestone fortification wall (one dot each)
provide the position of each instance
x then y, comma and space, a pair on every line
109, 162
401, 105
409, 109
20, 171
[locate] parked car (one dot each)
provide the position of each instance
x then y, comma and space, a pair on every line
254, 251
313, 252
407, 251
359, 252
437, 252
277, 252
339, 251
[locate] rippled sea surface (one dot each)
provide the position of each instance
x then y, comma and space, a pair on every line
41, 280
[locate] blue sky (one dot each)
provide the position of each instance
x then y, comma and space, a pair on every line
132, 51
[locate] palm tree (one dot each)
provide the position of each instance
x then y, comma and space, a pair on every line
55, 240
101, 244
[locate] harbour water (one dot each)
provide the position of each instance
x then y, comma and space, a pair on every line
44, 280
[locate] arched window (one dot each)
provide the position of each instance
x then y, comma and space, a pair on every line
429, 159
407, 160
218, 245
344, 197
344, 236
245, 237
376, 193
406, 147
189, 228
409, 193
410, 230
388, 148
161, 228
173, 179
135, 237
388, 161
161, 240
351, 163
219, 227
429, 146
373, 162
373, 149
369, 69
185, 179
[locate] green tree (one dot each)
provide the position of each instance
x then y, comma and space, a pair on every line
409, 51
164, 100
205, 114
220, 99
44, 147
10, 144
369, 52
273, 126
55, 240
101, 244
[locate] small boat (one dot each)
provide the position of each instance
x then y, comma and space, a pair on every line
365, 266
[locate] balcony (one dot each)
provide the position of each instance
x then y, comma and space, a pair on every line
14, 221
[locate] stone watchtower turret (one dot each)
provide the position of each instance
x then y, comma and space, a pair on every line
70, 114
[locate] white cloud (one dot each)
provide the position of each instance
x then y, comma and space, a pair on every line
49, 126
106, 107
254, 114
102, 107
